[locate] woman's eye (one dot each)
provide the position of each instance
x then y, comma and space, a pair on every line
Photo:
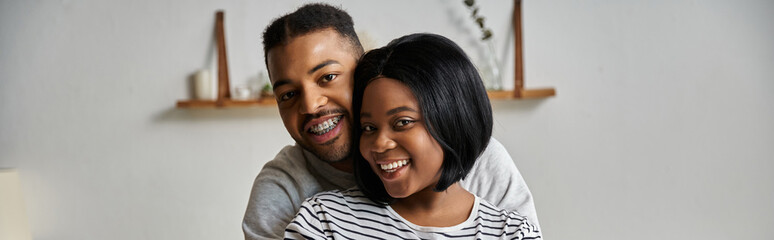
287, 96
368, 128
329, 77
403, 122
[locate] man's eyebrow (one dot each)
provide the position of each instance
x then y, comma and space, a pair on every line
400, 109
314, 69
279, 83
365, 114
321, 65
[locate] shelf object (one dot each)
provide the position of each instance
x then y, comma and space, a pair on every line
519, 92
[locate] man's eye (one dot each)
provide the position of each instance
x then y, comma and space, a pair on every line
287, 96
329, 77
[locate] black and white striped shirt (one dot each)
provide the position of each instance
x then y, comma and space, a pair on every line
350, 215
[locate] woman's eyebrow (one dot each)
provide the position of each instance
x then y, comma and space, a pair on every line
400, 109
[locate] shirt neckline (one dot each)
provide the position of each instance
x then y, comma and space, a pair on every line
468, 222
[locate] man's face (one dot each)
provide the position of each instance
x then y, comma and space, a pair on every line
312, 79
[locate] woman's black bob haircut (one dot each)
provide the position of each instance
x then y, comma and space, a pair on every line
451, 97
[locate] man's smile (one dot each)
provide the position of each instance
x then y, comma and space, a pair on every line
324, 126
325, 129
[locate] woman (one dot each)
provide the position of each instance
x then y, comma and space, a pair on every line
422, 117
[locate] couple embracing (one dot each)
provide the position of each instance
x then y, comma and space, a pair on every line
391, 144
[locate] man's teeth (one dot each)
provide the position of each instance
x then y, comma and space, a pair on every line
325, 126
391, 167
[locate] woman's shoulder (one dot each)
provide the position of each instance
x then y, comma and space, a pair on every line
349, 198
489, 213
493, 212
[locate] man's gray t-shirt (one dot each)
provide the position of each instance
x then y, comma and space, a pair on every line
296, 174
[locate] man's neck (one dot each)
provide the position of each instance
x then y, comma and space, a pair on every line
436, 209
343, 165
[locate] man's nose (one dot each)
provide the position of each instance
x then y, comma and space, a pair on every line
313, 99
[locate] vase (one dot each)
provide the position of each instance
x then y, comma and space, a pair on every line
490, 69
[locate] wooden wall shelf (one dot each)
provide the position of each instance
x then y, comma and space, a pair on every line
224, 97
226, 103
521, 94
270, 101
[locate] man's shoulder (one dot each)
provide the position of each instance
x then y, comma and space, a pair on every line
290, 157
494, 158
495, 152
288, 169
289, 161
278, 191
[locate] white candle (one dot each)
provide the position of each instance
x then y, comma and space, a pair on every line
203, 88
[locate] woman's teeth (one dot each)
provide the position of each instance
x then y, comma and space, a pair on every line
393, 166
325, 126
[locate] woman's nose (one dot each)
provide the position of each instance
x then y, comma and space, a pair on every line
383, 143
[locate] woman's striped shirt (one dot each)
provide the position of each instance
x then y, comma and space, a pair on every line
350, 215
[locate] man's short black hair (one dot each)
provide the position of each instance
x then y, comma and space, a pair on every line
307, 19
451, 96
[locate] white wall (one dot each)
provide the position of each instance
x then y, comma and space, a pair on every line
663, 125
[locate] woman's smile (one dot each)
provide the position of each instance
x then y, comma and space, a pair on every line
393, 166
393, 170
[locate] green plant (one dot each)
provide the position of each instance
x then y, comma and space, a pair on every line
267, 90
485, 32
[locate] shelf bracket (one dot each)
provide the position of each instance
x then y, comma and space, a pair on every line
220, 31
519, 91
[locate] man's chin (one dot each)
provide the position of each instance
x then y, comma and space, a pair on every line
331, 153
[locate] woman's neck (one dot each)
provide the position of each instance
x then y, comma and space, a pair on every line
436, 209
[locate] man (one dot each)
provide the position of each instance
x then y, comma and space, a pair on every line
311, 55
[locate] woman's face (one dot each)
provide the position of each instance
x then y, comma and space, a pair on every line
395, 140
